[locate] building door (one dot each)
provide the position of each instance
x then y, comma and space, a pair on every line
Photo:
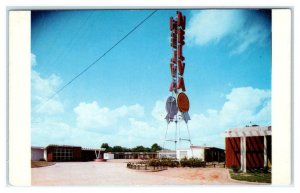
233, 152
255, 152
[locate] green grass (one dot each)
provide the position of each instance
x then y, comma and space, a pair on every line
252, 176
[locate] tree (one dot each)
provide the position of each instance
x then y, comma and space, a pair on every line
155, 147
139, 149
117, 149
125, 149
105, 145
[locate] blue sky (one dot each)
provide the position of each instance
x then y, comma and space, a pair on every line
121, 99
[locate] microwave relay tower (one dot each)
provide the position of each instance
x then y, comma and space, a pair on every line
177, 104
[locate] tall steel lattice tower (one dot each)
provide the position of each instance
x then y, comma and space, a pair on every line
177, 105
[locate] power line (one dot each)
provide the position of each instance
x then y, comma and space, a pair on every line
93, 63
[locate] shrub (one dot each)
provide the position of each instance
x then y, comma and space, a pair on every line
235, 169
170, 162
192, 162
184, 162
173, 163
163, 162
154, 162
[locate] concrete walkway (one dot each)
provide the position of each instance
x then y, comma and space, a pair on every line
114, 173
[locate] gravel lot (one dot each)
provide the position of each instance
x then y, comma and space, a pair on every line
114, 173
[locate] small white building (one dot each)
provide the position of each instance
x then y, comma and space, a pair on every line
194, 151
108, 156
37, 153
208, 154
201, 152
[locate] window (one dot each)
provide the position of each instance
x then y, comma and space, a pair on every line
63, 154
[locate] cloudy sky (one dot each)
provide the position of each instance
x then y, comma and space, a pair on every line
121, 99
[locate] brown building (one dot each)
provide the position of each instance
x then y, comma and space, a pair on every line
249, 147
214, 154
64, 153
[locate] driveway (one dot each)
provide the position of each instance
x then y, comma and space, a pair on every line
114, 172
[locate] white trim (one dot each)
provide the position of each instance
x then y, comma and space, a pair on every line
265, 152
249, 131
243, 155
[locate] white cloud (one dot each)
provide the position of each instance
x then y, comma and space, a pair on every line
33, 60
141, 133
128, 126
91, 116
41, 89
120, 126
44, 87
49, 131
243, 105
256, 33
159, 111
52, 131
212, 26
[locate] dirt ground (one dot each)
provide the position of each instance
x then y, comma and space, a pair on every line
37, 164
114, 172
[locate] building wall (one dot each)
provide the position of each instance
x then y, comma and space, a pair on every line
76, 151
197, 153
135, 155
214, 155
269, 151
166, 154
71, 153
45, 154
208, 154
255, 152
108, 156
37, 154
77, 154
89, 155
188, 153
233, 154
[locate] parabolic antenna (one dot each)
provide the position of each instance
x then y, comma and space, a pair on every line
183, 102
171, 108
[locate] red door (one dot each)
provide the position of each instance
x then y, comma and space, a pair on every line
255, 152
233, 152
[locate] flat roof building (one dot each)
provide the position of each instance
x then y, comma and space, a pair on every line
134, 155
206, 153
65, 153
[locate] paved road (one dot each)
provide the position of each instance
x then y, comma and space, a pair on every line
116, 173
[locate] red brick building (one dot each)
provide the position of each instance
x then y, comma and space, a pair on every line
249, 147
